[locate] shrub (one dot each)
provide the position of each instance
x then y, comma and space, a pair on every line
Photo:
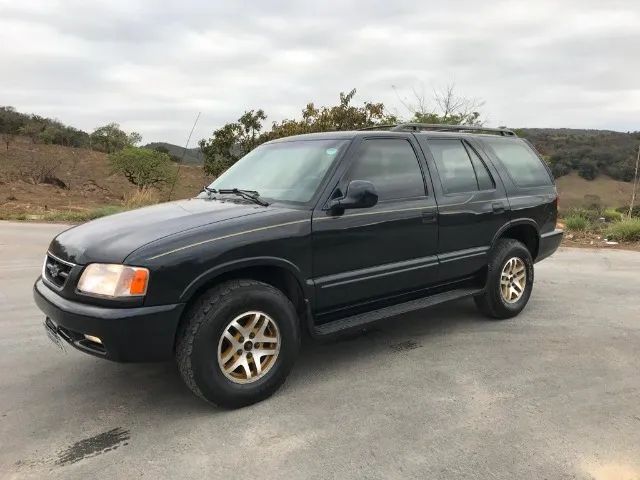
611, 215
576, 223
143, 167
627, 230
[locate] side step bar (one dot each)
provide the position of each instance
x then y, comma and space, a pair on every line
366, 318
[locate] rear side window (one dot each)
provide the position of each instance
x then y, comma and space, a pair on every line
391, 165
524, 166
459, 167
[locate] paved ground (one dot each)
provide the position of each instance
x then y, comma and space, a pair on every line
554, 393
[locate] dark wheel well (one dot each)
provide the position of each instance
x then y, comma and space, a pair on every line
278, 277
526, 234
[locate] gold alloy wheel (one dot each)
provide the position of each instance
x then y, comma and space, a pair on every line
248, 347
513, 280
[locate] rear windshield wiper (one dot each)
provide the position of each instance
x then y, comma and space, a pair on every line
251, 195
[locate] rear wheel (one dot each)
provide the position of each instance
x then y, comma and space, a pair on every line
238, 343
509, 280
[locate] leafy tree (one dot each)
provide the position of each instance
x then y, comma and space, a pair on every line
233, 140
111, 138
143, 167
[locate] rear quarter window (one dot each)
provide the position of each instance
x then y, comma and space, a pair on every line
524, 166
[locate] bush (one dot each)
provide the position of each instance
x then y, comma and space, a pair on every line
576, 223
627, 230
143, 167
611, 215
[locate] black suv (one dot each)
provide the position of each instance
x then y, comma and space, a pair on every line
318, 233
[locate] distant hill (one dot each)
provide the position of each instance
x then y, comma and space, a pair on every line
590, 153
192, 156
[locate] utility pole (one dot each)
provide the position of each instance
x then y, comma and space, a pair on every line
635, 184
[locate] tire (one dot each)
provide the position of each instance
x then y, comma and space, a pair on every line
201, 339
492, 301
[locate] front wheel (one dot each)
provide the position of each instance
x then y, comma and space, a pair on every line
509, 280
238, 343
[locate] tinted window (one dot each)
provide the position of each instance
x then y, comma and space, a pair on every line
523, 164
485, 181
454, 166
286, 171
391, 165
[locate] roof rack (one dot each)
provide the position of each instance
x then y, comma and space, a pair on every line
380, 127
453, 128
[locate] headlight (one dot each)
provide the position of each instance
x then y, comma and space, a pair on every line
114, 280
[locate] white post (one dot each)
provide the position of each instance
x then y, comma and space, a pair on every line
635, 184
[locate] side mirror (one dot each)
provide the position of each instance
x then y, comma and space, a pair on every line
360, 194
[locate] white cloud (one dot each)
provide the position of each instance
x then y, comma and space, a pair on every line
152, 66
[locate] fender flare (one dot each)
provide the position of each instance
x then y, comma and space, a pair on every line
220, 269
514, 223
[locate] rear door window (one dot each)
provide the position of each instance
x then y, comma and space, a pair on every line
524, 166
459, 167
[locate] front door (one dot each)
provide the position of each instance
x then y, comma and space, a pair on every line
368, 254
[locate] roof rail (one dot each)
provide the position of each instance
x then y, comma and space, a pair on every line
379, 127
454, 128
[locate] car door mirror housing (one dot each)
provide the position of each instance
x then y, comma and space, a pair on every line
360, 194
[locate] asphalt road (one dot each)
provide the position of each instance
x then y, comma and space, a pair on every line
443, 393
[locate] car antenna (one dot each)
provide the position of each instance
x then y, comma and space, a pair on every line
175, 179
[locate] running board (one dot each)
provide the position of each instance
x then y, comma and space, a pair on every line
362, 319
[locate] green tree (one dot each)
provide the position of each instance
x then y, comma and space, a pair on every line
234, 140
143, 167
111, 138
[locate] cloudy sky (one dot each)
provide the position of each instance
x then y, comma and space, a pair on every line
153, 65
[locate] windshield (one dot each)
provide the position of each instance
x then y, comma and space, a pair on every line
285, 171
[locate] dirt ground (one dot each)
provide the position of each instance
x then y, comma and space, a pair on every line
83, 179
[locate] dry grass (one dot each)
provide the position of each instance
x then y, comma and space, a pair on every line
141, 198
87, 176
573, 188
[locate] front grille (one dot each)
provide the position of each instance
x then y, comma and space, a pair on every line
56, 271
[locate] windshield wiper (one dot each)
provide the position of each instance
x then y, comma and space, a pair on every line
251, 195
210, 191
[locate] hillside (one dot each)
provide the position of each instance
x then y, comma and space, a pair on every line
590, 153
192, 156
36, 178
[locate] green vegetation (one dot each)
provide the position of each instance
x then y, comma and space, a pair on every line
71, 216
234, 140
612, 215
576, 223
143, 167
108, 138
589, 152
627, 230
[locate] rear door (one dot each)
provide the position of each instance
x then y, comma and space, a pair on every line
472, 204
367, 254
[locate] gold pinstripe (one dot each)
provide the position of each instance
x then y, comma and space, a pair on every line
226, 236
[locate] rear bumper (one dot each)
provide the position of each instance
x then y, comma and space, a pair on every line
549, 243
142, 334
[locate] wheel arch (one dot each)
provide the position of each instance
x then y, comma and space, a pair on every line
524, 230
277, 272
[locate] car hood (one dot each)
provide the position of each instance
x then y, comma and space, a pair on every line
111, 239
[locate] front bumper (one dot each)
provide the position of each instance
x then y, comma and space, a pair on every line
141, 334
549, 243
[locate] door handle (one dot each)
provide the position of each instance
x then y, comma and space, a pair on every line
498, 207
429, 217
